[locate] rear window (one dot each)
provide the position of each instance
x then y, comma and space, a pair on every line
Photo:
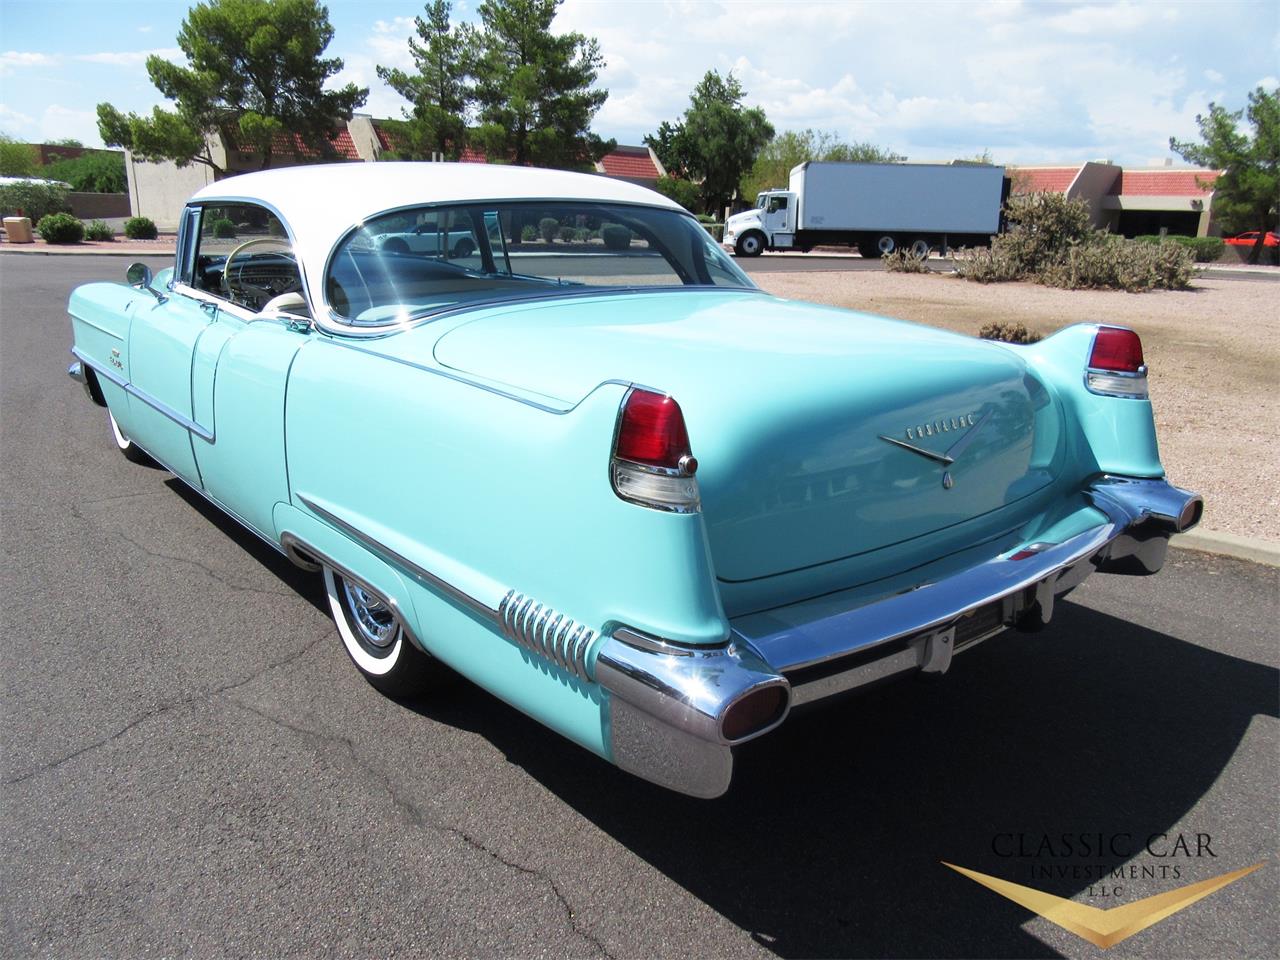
412, 263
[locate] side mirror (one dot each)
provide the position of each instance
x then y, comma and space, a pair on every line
139, 275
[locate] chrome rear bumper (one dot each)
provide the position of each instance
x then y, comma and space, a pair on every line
669, 703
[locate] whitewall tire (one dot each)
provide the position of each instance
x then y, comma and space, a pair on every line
132, 452
374, 638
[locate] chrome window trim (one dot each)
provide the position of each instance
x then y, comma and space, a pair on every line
330, 322
158, 405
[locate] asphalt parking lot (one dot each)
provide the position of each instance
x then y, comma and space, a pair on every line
191, 766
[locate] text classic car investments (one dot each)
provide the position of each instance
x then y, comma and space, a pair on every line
485, 440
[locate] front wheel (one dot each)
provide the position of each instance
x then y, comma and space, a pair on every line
374, 638
132, 452
749, 245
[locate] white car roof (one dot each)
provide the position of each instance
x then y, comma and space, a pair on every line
321, 202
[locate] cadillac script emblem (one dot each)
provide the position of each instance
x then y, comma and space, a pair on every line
969, 423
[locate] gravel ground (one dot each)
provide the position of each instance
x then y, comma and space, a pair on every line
1212, 350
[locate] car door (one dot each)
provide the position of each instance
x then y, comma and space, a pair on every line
241, 362
163, 333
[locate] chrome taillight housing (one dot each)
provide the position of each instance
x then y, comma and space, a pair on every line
652, 464
1116, 366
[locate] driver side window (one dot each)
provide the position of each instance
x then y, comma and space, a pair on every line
243, 255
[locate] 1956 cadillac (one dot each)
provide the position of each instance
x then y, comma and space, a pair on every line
610, 480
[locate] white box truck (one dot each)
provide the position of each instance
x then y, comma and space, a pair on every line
877, 207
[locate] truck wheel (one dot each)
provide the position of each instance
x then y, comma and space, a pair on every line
920, 248
749, 245
886, 244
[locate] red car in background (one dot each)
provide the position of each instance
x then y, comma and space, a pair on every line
1250, 238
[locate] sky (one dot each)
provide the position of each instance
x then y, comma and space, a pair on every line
1030, 82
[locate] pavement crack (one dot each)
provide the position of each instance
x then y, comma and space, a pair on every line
209, 571
165, 708
414, 815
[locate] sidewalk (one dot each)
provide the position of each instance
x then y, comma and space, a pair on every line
162, 246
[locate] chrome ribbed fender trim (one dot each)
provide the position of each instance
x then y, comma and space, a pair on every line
547, 632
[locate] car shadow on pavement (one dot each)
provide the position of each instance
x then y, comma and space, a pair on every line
831, 839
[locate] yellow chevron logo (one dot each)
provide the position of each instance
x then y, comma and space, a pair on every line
1104, 928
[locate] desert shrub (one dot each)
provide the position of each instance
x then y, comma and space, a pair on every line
224, 229
140, 228
985, 265
903, 260
548, 228
60, 228
528, 232
1117, 264
615, 236
31, 199
1008, 332
98, 230
1203, 249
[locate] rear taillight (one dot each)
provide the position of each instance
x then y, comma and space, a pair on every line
652, 464
1116, 366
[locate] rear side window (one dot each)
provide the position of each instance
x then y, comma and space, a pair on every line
412, 263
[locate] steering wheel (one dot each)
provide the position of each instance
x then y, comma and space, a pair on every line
250, 292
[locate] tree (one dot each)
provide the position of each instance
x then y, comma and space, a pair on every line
683, 192
717, 140
1247, 192
254, 70
438, 90
17, 159
773, 166
533, 89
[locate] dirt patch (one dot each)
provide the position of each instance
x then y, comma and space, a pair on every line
1213, 352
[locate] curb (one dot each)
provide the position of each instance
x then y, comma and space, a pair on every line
91, 252
1265, 552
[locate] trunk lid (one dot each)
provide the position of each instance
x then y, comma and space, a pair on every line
801, 417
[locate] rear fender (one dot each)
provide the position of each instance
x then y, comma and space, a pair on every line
1116, 435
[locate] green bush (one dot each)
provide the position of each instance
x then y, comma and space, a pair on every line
95, 171
568, 234
60, 228
1008, 333
548, 228
528, 232
1203, 249
32, 199
903, 260
682, 192
615, 237
98, 230
224, 229
140, 228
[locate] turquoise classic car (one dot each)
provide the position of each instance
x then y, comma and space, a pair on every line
604, 476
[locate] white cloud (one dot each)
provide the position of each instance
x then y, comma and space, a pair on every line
133, 58
1213, 76
12, 60
59, 123
13, 121
1267, 83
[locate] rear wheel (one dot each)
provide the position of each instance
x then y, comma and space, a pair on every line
749, 245
886, 244
374, 638
919, 248
464, 248
132, 452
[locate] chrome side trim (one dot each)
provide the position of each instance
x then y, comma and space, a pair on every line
157, 405
546, 632
397, 559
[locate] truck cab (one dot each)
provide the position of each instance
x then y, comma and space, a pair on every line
771, 224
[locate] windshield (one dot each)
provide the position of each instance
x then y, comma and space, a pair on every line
760, 201
411, 263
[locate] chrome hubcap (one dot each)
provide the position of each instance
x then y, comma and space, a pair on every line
370, 616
